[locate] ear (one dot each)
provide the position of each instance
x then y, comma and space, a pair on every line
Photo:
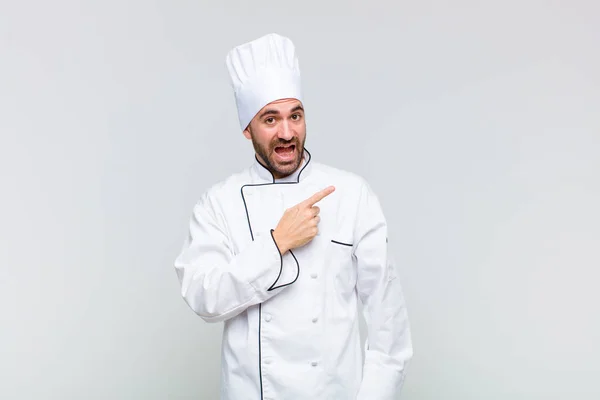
247, 133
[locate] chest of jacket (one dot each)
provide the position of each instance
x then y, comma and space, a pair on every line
326, 263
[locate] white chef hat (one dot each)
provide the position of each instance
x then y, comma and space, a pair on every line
261, 71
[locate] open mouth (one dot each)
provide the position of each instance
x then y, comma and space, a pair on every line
285, 152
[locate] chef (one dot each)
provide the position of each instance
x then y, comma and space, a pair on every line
284, 251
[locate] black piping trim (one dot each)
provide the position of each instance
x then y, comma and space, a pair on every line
244, 199
280, 255
260, 351
273, 287
344, 244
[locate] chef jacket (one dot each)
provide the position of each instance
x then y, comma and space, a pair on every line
291, 322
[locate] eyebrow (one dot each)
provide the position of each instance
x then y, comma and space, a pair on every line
275, 112
269, 112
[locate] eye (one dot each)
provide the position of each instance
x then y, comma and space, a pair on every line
296, 117
270, 120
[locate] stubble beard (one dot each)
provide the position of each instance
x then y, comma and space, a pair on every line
279, 170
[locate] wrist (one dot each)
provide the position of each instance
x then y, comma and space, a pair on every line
279, 241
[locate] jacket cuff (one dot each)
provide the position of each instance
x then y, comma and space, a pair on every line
289, 269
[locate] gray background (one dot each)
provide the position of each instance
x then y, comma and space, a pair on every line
477, 124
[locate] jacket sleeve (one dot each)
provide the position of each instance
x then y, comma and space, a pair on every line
218, 284
388, 347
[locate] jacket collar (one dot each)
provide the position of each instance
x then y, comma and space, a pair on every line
265, 176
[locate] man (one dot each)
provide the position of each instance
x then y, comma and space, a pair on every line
283, 251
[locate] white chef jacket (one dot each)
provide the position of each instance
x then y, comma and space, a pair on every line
291, 324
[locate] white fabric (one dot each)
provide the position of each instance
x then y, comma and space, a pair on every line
262, 71
291, 323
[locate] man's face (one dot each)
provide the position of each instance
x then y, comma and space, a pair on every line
278, 132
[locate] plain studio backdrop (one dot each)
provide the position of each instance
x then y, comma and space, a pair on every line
476, 123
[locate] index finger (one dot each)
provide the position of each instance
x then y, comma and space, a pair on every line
320, 195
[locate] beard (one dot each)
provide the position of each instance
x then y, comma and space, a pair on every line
266, 155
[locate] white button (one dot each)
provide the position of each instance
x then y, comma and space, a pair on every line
267, 317
314, 363
315, 319
267, 361
314, 275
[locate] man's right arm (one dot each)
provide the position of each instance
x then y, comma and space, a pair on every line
218, 284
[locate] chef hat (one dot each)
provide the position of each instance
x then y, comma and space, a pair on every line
261, 71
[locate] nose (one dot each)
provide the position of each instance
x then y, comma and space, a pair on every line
285, 131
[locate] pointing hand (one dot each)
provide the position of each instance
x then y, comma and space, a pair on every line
299, 224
